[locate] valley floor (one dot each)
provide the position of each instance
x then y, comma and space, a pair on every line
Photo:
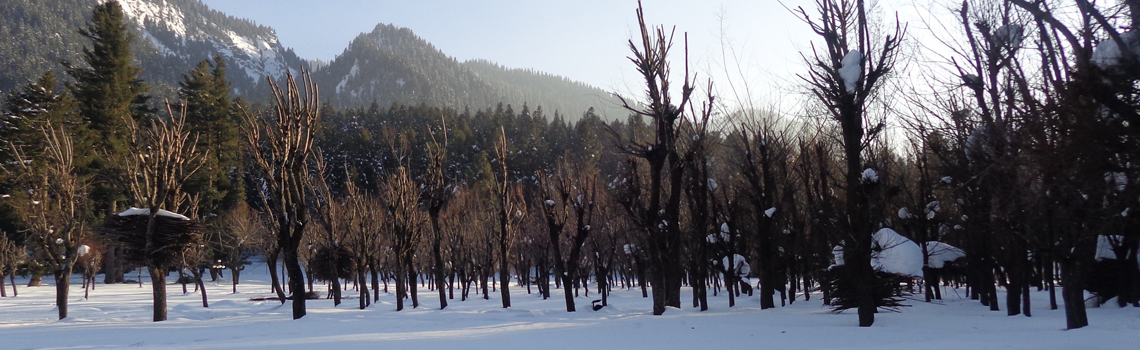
118, 316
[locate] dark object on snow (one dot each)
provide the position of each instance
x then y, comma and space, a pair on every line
745, 287
308, 296
327, 260
172, 236
888, 289
1110, 278
596, 306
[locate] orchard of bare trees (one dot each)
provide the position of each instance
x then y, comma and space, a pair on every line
1001, 163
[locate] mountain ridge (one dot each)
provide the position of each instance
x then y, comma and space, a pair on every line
390, 64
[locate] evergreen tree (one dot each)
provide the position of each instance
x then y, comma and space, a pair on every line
28, 108
109, 95
211, 114
107, 87
26, 111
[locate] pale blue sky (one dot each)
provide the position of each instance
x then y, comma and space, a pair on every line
584, 40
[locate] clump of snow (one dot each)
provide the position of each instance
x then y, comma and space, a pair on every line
739, 265
896, 254
870, 175
771, 211
548, 202
942, 253
1009, 35
723, 236
904, 214
931, 208
712, 184
1108, 54
891, 252
837, 254
947, 180
161, 212
1119, 179
1104, 246
82, 250
851, 68
979, 145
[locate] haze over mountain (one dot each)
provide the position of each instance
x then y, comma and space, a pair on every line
388, 65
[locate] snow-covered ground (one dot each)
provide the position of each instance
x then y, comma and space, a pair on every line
118, 316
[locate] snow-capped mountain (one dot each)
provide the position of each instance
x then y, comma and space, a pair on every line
173, 27
389, 64
172, 36
186, 31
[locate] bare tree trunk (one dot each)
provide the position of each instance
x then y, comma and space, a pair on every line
274, 280
201, 286
296, 276
1074, 295
158, 290
182, 279
362, 284
335, 286
112, 266
437, 256
36, 280
401, 286
412, 287
376, 281
62, 284
504, 262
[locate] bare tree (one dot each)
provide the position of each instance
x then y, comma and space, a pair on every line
401, 196
845, 78
281, 145
164, 155
1090, 68
659, 212
240, 230
568, 193
437, 192
364, 228
329, 213
509, 211
55, 209
10, 256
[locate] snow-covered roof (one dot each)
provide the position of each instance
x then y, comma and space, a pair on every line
941, 253
893, 253
161, 212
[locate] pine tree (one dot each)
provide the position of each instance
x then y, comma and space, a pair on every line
107, 87
211, 114
110, 95
29, 108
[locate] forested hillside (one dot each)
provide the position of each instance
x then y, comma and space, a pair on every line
387, 65
173, 35
392, 64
